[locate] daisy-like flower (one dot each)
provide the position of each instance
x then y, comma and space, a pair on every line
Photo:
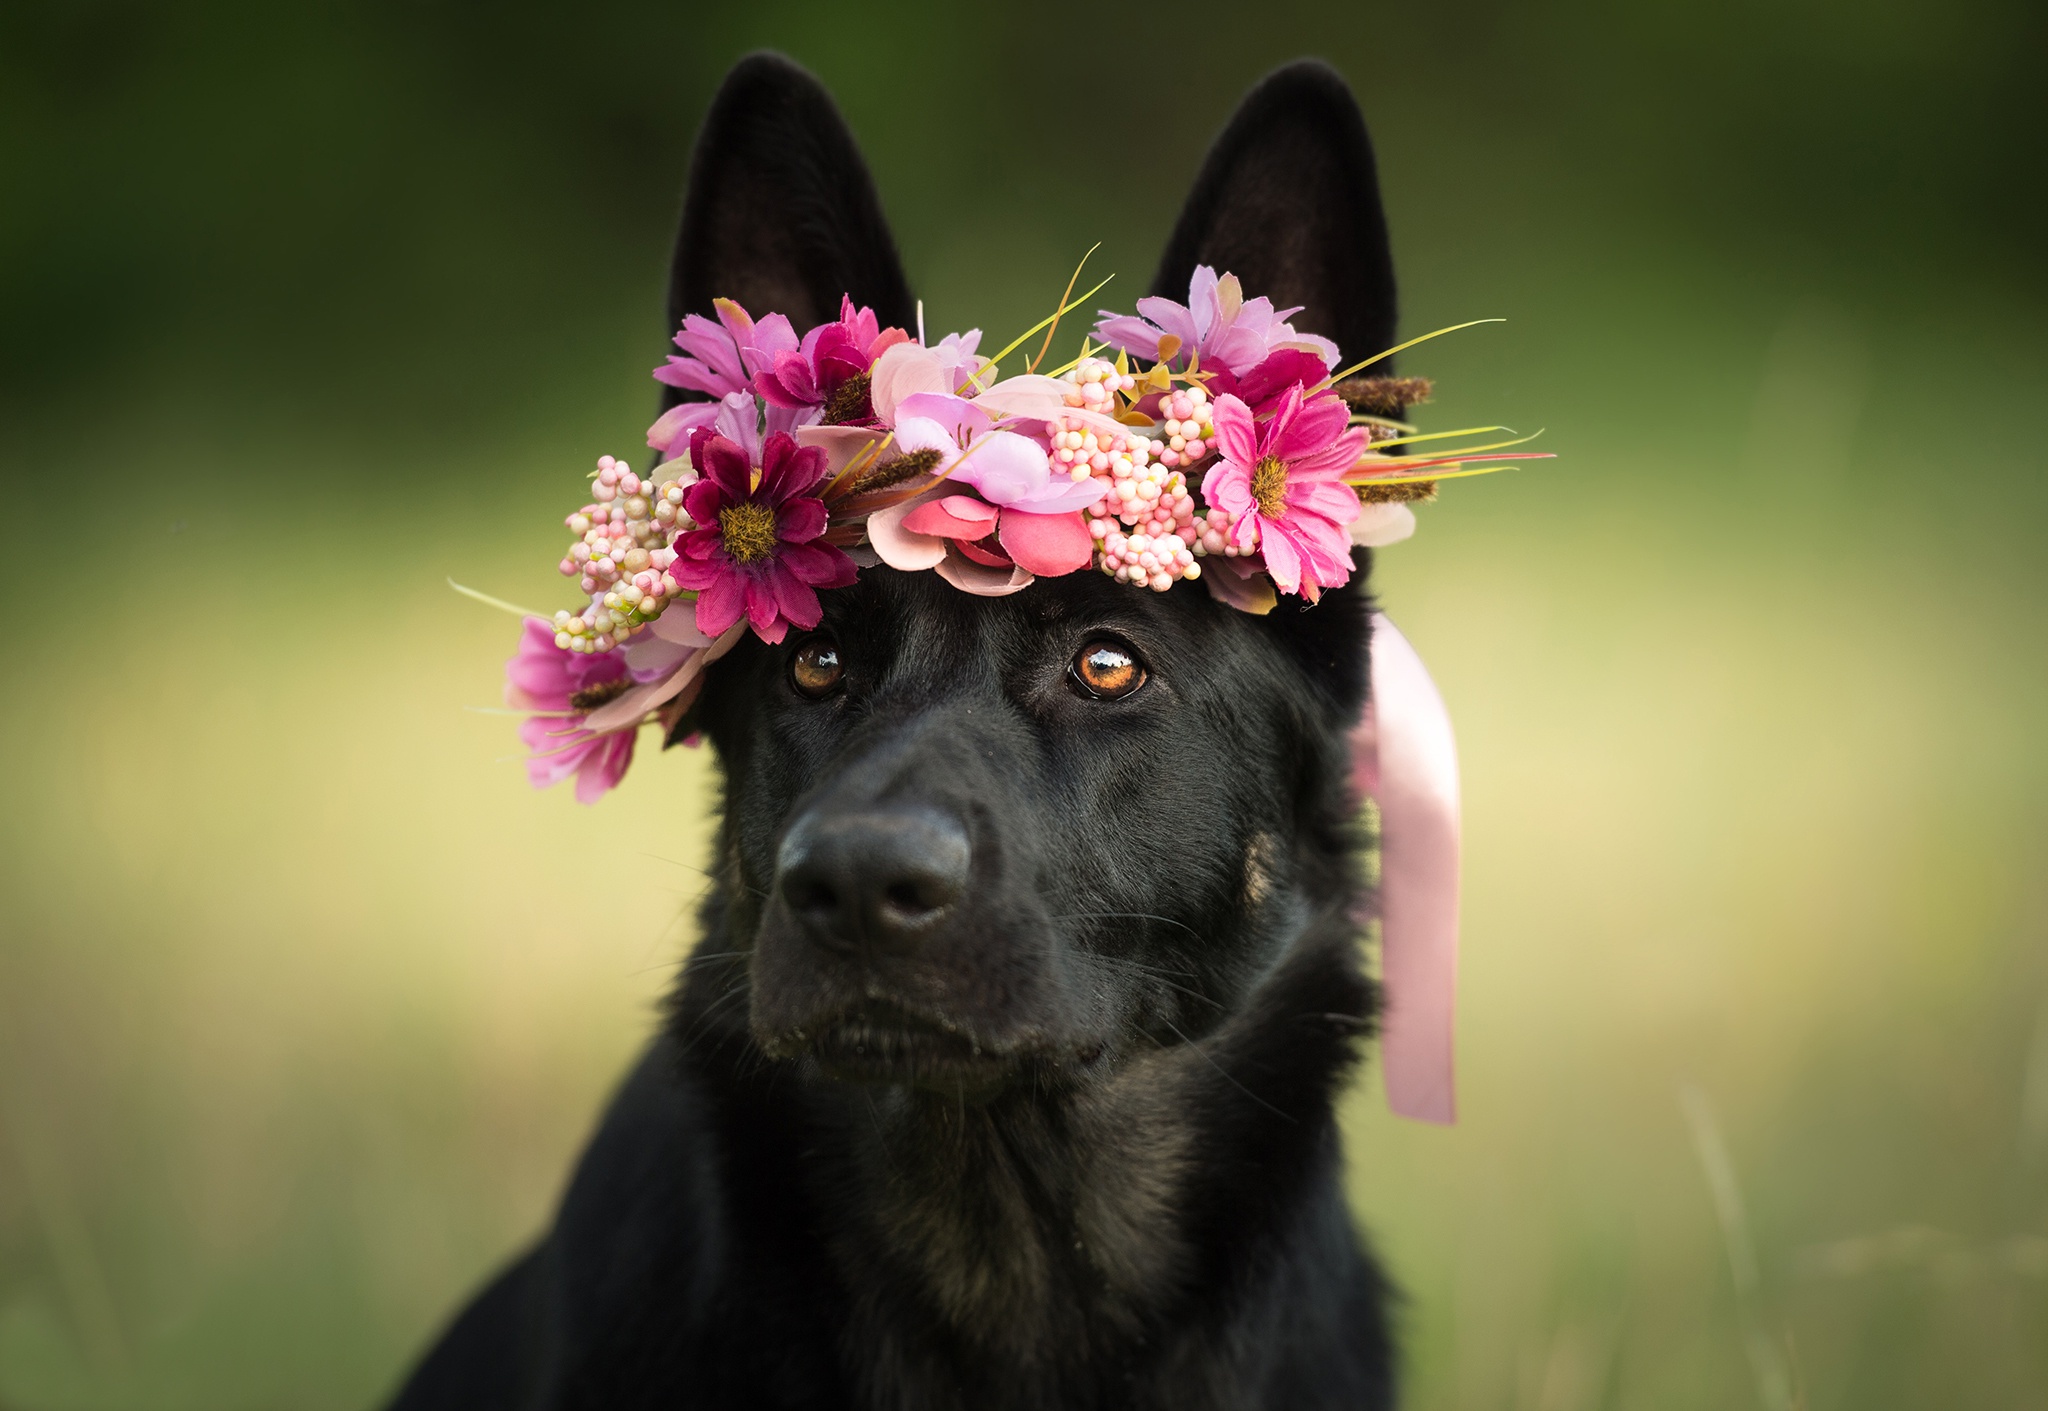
1227, 329
752, 553
563, 688
719, 358
828, 373
1281, 483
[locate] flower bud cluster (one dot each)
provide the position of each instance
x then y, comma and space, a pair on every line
1162, 540
1187, 421
619, 556
1078, 450
1096, 383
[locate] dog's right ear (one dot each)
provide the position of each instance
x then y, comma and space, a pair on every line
1288, 200
781, 213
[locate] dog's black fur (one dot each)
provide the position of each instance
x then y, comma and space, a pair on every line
1004, 1074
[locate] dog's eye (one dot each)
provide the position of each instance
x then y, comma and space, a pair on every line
1106, 670
815, 670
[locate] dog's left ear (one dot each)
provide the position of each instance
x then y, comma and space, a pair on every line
1288, 200
781, 213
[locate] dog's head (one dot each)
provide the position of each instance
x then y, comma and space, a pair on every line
978, 842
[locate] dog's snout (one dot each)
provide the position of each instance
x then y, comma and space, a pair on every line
876, 879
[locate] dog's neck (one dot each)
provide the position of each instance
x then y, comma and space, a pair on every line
1050, 1232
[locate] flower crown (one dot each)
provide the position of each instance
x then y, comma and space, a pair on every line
1220, 443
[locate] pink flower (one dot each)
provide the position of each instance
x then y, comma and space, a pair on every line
723, 357
1227, 329
719, 359
752, 551
565, 687
1026, 518
1281, 483
829, 372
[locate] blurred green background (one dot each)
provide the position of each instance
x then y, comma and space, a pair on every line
306, 1002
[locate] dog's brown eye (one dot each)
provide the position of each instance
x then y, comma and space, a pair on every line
815, 669
1106, 670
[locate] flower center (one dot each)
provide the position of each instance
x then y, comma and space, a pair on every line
747, 531
591, 697
1269, 486
850, 402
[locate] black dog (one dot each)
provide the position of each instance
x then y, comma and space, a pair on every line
1004, 1074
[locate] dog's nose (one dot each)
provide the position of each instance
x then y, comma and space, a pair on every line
878, 880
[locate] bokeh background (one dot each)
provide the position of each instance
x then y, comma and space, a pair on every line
307, 1002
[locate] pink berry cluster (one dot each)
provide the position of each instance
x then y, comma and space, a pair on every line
1155, 542
618, 557
1096, 384
1187, 420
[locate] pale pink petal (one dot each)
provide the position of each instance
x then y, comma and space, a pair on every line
740, 424
1059, 494
670, 433
1202, 302
970, 577
1098, 422
899, 547
1032, 396
960, 417
1003, 466
1305, 342
625, 709
1381, 524
1046, 544
923, 433
651, 658
840, 443
901, 371
1172, 318
772, 337
675, 626
1239, 349
1130, 333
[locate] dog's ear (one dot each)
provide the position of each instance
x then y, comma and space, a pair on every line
1289, 201
781, 214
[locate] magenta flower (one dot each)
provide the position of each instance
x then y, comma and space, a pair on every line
829, 372
1228, 330
752, 552
565, 687
723, 357
719, 359
1281, 483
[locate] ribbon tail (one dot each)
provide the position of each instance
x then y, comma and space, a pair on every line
1405, 758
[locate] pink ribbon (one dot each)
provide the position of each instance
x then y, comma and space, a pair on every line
1405, 758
